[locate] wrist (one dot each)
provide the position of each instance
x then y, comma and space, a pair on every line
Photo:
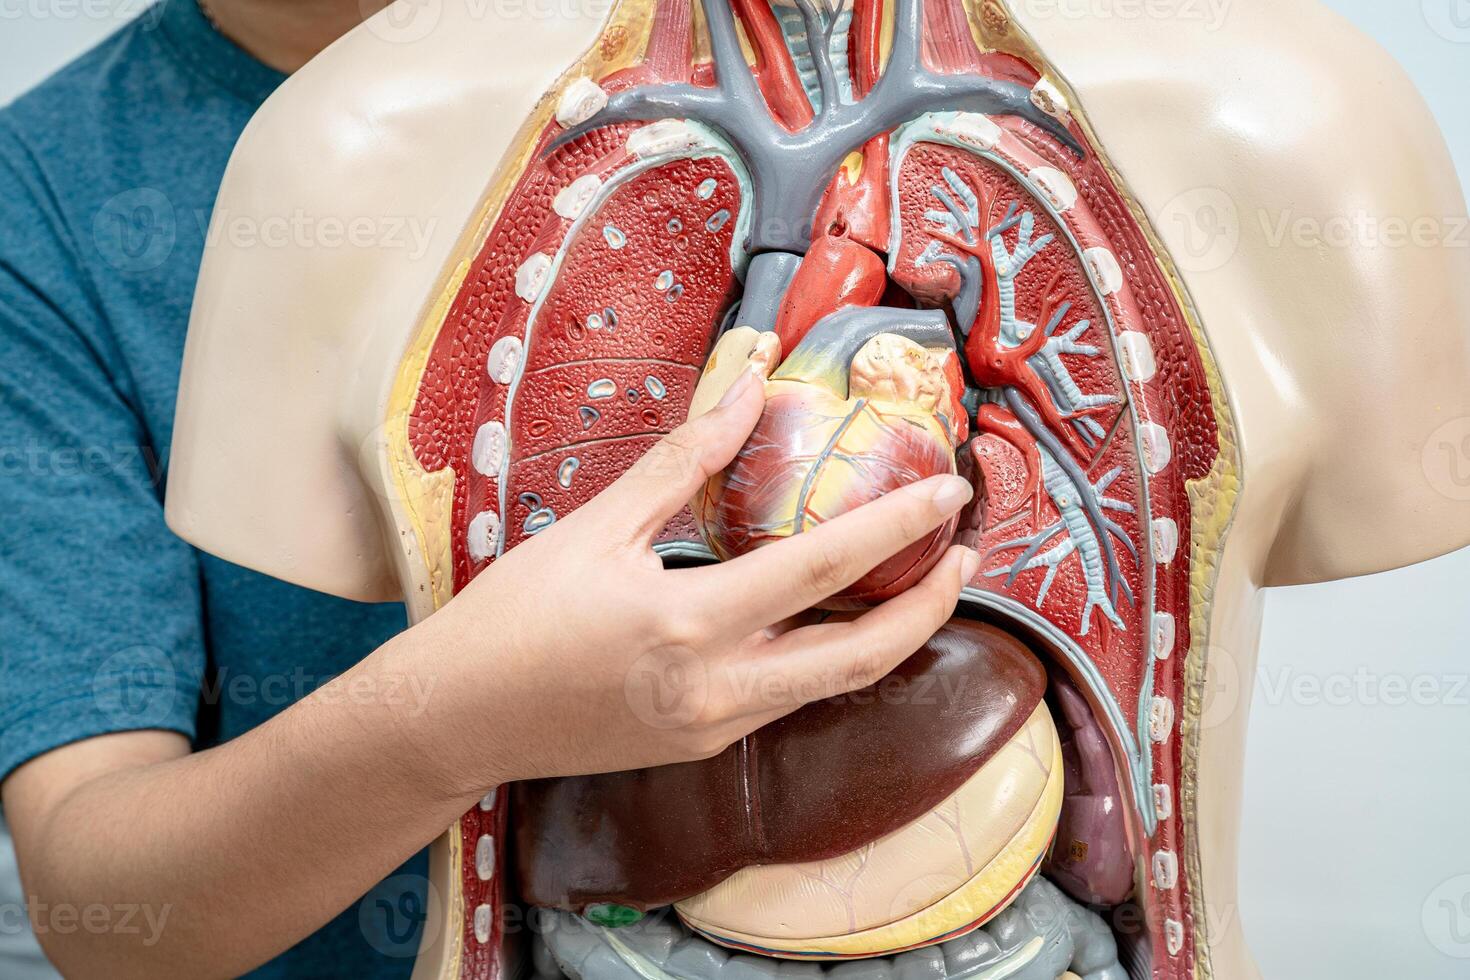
450, 726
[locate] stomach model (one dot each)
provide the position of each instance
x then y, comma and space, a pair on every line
891, 211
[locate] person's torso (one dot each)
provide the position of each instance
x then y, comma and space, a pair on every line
127, 147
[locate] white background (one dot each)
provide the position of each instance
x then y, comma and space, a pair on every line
1356, 842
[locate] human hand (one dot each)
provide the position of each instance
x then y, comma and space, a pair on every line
579, 652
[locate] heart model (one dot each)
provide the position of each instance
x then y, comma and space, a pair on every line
859, 407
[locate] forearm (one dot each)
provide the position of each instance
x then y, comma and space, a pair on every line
231, 855
576, 652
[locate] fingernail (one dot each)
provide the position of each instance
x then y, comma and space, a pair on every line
969, 565
952, 493
737, 388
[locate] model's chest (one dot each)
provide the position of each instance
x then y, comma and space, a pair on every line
666, 194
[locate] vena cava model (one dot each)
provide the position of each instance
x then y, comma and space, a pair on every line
1029, 247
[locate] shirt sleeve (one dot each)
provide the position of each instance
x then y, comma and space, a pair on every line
100, 607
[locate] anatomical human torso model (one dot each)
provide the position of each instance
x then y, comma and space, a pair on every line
941, 232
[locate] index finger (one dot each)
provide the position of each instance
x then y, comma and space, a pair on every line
782, 579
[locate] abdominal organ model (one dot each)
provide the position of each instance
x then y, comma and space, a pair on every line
893, 212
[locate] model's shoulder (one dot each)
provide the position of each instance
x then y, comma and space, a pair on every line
1302, 188
1290, 65
402, 82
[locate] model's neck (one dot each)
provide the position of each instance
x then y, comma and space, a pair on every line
286, 34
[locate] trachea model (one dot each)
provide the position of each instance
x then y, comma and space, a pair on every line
924, 254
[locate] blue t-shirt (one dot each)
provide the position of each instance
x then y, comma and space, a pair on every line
108, 174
